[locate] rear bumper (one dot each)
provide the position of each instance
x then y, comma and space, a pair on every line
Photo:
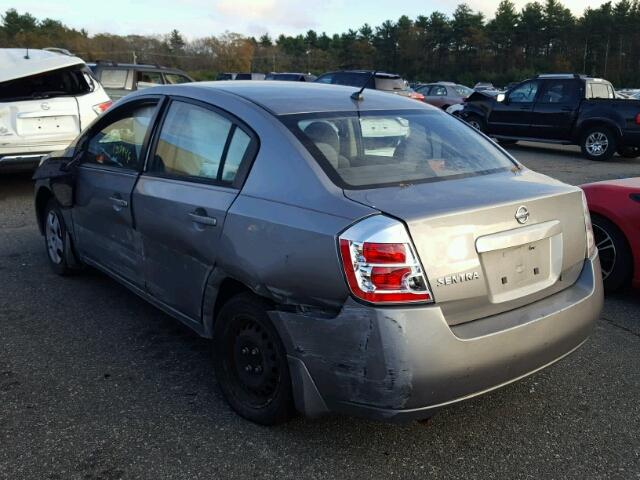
404, 363
27, 157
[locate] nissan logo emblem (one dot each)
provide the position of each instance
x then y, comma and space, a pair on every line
45, 106
522, 214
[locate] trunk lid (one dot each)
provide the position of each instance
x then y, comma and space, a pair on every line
479, 259
28, 123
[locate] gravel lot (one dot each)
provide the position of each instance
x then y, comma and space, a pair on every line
97, 384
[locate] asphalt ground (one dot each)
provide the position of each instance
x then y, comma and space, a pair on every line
97, 384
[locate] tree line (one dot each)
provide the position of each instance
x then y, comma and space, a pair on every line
465, 47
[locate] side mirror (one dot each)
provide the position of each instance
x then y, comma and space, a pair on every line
501, 97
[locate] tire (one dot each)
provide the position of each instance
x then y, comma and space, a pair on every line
250, 362
629, 152
55, 232
614, 252
598, 143
476, 122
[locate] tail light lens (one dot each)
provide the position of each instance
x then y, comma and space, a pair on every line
102, 107
638, 119
380, 263
417, 96
591, 241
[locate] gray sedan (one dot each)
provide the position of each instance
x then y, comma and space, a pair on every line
364, 254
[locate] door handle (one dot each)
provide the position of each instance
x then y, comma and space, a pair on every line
203, 219
119, 202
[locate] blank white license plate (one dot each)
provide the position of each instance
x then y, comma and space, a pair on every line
47, 125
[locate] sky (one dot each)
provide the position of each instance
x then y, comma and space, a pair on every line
199, 18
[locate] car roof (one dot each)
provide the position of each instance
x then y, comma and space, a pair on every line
284, 98
22, 62
137, 66
367, 72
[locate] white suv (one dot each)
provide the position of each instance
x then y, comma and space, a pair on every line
46, 100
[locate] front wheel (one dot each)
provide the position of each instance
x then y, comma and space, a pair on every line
55, 233
598, 143
250, 362
614, 253
476, 122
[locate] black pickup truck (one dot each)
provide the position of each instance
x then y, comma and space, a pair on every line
565, 109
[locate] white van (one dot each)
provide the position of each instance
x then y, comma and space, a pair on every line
46, 100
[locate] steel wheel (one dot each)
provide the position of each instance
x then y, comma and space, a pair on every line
54, 238
255, 369
250, 361
606, 250
597, 143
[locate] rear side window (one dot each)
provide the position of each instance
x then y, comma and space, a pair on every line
114, 78
198, 143
119, 143
438, 90
389, 148
559, 91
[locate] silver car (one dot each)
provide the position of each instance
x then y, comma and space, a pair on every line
367, 255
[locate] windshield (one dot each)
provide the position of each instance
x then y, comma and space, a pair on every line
395, 147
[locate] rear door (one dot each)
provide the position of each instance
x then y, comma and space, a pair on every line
193, 176
556, 109
102, 216
512, 117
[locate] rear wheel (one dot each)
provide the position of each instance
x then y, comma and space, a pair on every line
598, 143
251, 363
55, 232
629, 152
614, 253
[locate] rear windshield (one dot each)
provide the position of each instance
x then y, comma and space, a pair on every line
390, 84
388, 148
58, 83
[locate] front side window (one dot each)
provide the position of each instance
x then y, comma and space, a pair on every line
525, 93
194, 143
119, 144
385, 148
438, 91
148, 79
325, 78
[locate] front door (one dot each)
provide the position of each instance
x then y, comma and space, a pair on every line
182, 199
512, 117
102, 216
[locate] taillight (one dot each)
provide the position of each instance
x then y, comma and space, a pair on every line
638, 119
380, 263
417, 96
102, 107
591, 241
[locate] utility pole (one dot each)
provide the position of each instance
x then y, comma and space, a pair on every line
135, 58
584, 58
606, 56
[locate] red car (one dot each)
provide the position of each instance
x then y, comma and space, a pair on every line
615, 213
